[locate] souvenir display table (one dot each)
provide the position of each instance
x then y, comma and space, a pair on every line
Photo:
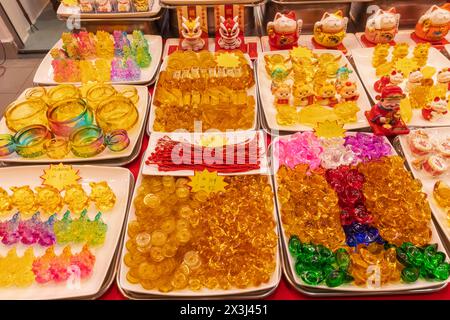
218, 165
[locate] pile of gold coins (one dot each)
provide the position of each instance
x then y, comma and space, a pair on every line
185, 240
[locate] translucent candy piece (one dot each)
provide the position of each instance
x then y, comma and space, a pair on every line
76, 198
24, 199
102, 195
49, 199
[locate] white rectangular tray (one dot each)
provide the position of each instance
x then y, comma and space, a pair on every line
391, 287
363, 62
267, 98
119, 180
68, 12
44, 73
138, 289
429, 181
107, 154
251, 92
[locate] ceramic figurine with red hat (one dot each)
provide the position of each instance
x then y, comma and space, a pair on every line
381, 27
435, 110
384, 117
282, 93
284, 30
394, 78
433, 26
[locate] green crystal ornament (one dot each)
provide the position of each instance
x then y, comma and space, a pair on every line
316, 264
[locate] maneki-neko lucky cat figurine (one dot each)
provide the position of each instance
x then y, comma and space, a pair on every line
284, 30
382, 26
192, 34
434, 25
330, 31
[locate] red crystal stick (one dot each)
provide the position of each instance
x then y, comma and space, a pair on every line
242, 159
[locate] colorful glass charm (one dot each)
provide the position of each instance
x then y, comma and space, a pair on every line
81, 230
76, 198
16, 271
59, 268
5, 202
102, 195
422, 262
28, 232
316, 264
24, 199
49, 199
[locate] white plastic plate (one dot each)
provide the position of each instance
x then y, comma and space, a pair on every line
68, 11
138, 289
267, 98
390, 287
44, 74
363, 62
119, 180
250, 92
427, 180
107, 154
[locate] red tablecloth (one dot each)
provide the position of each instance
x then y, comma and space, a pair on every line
284, 290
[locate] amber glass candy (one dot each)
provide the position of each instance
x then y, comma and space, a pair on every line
184, 240
309, 207
399, 207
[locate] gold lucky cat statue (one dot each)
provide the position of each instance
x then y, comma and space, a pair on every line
330, 31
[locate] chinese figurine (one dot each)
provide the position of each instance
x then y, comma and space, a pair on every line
229, 33
349, 92
303, 95
192, 34
326, 95
384, 117
330, 30
435, 110
382, 26
433, 26
282, 93
284, 30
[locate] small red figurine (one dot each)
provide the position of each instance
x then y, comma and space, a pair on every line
384, 117
395, 78
435, 110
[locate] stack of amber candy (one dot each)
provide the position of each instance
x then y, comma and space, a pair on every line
396, 201
194, 87
185, 240
309, 207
